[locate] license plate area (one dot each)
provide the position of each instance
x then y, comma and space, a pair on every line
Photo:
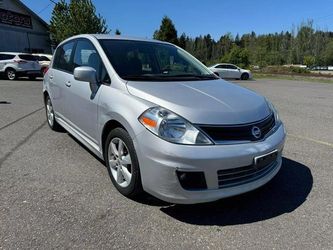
262, 161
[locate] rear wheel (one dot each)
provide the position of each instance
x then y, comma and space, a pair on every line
11, 74
245, 76
122, 163
53, 124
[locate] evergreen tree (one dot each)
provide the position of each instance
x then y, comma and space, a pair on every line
73, 18
182, 41
167, 31
302, 45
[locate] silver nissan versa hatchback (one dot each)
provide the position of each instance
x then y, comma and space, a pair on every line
161, 120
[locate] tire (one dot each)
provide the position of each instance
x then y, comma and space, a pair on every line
50, 116
123, 164
245, 76
11, 74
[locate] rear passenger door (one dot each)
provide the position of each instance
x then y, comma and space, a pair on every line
83, 100
60, 76
233, 71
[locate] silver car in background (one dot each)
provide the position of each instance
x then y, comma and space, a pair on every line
231, 71
162, 121
14, 65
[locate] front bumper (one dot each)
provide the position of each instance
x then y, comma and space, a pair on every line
160, 159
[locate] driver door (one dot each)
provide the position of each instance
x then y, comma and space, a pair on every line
83, 101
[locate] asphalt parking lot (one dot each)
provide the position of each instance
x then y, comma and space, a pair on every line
55, 194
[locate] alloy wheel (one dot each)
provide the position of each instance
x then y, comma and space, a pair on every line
49, 112
11, 74
120, 162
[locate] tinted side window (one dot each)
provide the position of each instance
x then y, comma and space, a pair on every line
86, 55
27, 57
232, 67
6, 57
44, 58
222, 66
62, 60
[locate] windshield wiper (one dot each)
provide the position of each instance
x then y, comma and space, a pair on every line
152, 77
212, 76
137, 77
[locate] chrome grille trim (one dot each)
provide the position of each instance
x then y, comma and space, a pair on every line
239, 133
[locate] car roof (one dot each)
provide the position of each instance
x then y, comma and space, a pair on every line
113, 37
15, 53
223, 64
10, 53
37, 54
119, 37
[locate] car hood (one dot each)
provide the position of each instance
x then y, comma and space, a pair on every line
204, 102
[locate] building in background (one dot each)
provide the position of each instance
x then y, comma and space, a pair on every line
22, 30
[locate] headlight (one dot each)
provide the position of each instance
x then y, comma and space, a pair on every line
172, 127
276, 114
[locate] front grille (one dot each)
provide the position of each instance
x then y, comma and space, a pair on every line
242, 175
242, 132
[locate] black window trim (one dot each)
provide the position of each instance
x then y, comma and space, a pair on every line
71, 58
102, 65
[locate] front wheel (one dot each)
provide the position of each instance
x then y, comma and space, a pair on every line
53, 124
122, 163
245, 76
11, 74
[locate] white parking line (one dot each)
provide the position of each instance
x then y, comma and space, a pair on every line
312, 140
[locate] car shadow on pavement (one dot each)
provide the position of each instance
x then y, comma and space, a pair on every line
23, 79
283, 194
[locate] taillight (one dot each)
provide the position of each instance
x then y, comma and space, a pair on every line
45, 70
20, 61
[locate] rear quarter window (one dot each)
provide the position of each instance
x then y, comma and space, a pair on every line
6, 57
44, 58
27, 57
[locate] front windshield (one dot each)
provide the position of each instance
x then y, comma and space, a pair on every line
151, 61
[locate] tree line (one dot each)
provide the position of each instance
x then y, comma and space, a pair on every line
303, 45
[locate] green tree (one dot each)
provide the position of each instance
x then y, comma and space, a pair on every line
309, 61
328, 54
182, 41
73, 18
238, 56
167, 31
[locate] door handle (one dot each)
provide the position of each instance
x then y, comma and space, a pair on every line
68, 83
51, 77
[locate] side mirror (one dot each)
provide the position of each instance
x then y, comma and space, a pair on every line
85, 74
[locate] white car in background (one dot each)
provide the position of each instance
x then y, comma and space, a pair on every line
227, 70
14, 65
44, 61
